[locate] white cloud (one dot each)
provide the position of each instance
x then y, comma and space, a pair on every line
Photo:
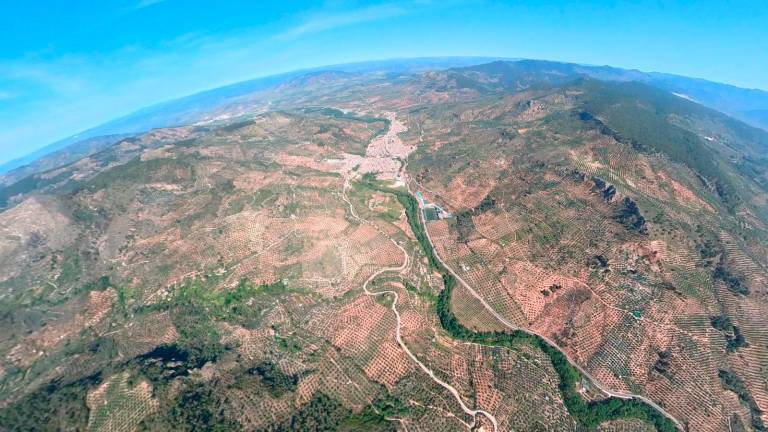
145, 3
73, 92
327, 20
48, 75
45, 98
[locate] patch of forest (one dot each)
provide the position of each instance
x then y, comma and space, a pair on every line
588, 414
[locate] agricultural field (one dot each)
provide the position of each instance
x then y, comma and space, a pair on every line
281, 269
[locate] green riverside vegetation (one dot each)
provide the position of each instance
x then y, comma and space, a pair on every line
412, 213
587, 414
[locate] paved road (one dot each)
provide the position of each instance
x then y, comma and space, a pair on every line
398, 331
508, 324
488, 307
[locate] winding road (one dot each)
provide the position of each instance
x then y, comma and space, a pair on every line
511, 326
398, 328
398, 335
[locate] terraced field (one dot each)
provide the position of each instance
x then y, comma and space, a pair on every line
276, 271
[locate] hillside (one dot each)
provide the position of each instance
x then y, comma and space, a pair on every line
748, 105
67, 152
506, 246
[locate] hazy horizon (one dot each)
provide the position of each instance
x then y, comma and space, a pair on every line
66, 69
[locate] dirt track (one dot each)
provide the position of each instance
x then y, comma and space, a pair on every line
390, 137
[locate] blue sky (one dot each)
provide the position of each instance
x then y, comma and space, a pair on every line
68, 66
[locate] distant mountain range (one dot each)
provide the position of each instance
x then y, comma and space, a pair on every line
748, 105
569, 247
